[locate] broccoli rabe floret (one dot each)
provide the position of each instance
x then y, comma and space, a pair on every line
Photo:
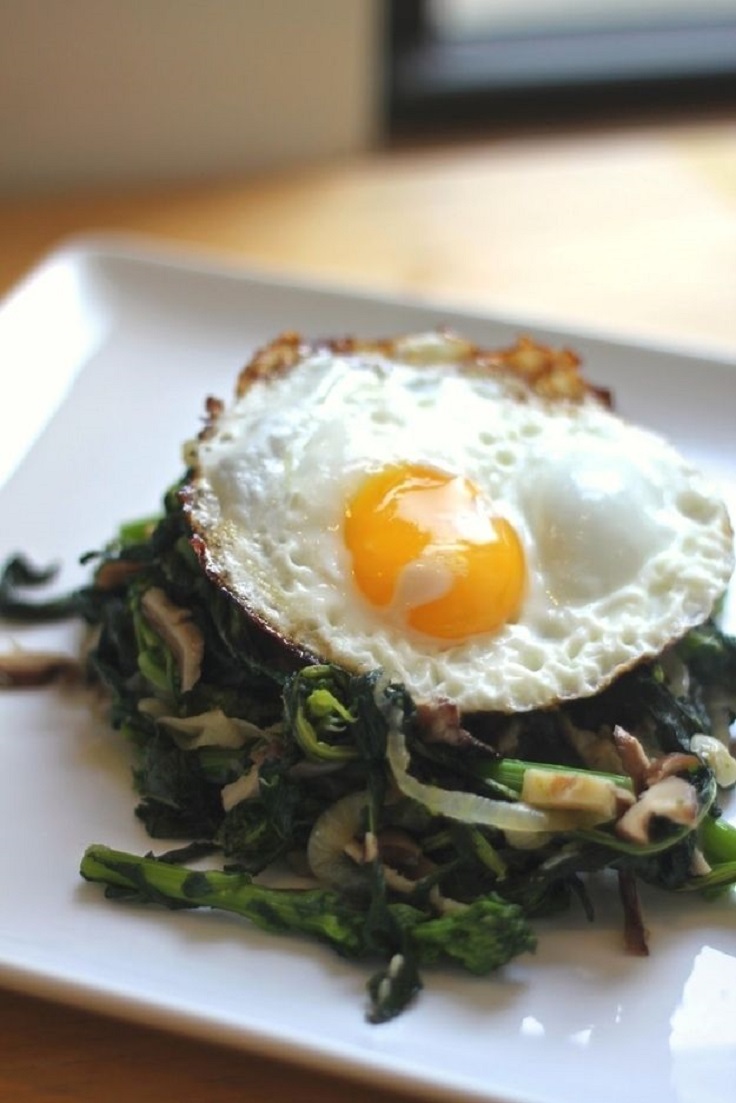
481, 937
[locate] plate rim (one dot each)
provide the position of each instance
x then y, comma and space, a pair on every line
174, 254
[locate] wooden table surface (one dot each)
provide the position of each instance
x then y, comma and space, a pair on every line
630, 230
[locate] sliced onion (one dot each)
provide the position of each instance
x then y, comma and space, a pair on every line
333, 831
470, 807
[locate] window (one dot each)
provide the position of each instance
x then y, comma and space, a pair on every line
465, 61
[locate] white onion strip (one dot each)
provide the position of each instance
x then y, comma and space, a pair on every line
470, 807
331, 834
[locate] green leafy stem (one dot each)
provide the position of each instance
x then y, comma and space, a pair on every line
481, 937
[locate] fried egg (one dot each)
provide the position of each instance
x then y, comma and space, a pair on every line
479, 525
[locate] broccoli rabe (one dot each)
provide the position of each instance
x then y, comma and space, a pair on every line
481, 937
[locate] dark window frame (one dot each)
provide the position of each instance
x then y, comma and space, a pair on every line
548, 76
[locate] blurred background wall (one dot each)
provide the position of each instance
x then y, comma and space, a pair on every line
133, 91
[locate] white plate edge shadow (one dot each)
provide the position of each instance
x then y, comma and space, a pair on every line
176, 254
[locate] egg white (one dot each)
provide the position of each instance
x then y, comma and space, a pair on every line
627, 545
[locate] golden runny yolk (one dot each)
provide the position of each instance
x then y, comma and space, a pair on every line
426, 544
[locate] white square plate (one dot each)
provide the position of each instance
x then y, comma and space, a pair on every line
108, 351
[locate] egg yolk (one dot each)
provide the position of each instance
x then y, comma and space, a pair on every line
426, 545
